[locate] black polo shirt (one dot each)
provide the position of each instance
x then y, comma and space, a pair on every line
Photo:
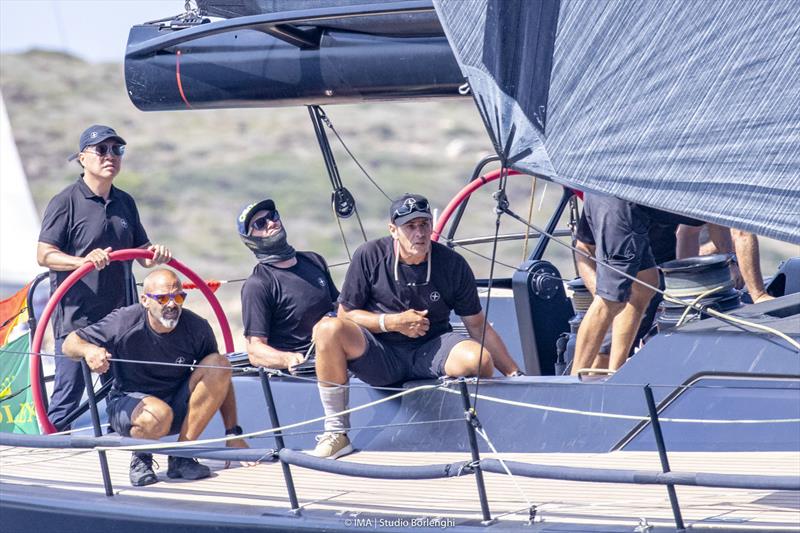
126, 334
370, 285
284, 304
76, 222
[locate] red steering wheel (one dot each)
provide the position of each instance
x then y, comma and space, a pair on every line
120, 255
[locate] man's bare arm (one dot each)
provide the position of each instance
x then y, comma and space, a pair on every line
261, 353
50, 256
98, 359
411, 323
747, 253
492, 342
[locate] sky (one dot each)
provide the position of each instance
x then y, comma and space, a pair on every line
94, 30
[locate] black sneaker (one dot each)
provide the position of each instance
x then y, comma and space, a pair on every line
186, 468
141, 472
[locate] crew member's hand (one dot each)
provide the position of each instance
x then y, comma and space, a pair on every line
161, 254
411, 323
293, 359
98, 359
98, 257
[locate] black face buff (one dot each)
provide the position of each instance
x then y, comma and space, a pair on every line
269, 250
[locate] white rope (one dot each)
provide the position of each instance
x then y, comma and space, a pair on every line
188, 443
485, 437
627, 417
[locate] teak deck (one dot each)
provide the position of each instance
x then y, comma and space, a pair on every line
259, 491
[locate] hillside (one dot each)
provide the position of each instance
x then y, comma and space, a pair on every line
191, 172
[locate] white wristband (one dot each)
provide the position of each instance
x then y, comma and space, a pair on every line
382, 323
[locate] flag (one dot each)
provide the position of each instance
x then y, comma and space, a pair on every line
17, 413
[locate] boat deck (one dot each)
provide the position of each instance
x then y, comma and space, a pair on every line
249, 495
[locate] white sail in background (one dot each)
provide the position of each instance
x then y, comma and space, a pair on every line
19, 221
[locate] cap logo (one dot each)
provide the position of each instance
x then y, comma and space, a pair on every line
410, 203
93, 134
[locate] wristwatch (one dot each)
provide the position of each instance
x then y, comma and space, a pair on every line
517, 373
235, 430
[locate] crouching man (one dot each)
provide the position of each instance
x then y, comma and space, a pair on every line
147, 400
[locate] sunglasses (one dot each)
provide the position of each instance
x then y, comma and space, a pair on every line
261, 222
163, 299
412, 206
104, 149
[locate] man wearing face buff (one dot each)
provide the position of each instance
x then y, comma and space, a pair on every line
393, 323
151, 400
287, 293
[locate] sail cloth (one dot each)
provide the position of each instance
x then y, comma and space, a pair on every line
685, 105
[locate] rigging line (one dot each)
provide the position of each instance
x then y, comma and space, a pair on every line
327, 122
48, 459
12, 395
341, 232
11, 319
530, 216
379, 426
501, 204
184, 444
480, 431
596, 414
280, 373
695, 302
732, 320
470, 250
360, 224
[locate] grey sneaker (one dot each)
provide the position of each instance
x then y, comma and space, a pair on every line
332, 445
186, 468
141, 472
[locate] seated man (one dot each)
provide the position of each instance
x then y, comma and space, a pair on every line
394, 319
285, 296
150, 401
618, 233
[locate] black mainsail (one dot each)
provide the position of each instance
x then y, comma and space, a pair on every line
686, 105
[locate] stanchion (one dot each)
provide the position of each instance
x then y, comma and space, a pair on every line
273, 417
662, 454
98, 432
472, 423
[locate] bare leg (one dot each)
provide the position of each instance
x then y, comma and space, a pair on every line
463, 360
688, 241
626, 324
208, 388
747, 252
593, 329
151, 419
337, 341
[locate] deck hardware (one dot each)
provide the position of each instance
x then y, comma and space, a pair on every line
87, 379
662, 454
643, 526
273, 418
532, 514
476, 458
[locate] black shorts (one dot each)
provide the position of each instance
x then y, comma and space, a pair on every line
619, 230
384, 364
120, 407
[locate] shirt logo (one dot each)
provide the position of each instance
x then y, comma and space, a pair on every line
322, 282
180, 361
435, 296
123, 223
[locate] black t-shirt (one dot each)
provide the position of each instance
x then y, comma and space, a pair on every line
126, 334
370, 286
283, 304
77, 221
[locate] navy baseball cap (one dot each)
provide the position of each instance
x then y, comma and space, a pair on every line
247, 214
408, 207
95, 134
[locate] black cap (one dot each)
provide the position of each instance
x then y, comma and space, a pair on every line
408, 207
95, 134
247, 214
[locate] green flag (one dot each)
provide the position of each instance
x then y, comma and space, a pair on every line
17, 413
